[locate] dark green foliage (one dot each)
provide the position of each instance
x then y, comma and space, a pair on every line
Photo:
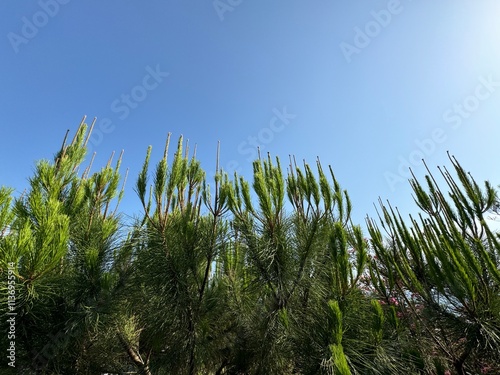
61, 239
444, 271
236, 277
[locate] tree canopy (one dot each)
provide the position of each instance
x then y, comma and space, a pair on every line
236, 277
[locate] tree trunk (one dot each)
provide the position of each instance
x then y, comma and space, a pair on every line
142, 366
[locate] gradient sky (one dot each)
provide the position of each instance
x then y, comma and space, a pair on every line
369, 87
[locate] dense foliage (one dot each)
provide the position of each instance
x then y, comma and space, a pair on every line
233, 277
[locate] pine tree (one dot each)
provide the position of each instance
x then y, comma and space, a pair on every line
262, 277
178, 302
301, 272
60, 236
443, 268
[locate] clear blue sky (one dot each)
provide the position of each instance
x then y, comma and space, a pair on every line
361, 84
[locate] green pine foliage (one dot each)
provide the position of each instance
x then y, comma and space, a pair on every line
229, 276
60, 236
443, 269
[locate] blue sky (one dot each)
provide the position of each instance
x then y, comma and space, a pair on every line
369, 87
